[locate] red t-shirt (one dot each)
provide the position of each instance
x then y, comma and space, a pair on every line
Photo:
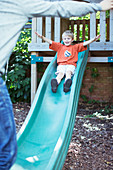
67, 54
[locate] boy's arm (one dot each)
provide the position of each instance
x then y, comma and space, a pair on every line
92, 40
44, 38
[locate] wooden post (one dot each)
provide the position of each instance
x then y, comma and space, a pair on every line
72, 26
48, 27
92, 25
64, 26
88, 29
108, 30
111, 25
78, 30
33, 66
83, 32
103, 26
57, 29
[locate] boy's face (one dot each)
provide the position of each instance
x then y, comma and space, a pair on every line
67, 40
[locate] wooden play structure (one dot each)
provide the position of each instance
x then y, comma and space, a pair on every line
53, 28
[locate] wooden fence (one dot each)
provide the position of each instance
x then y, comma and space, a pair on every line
81, 28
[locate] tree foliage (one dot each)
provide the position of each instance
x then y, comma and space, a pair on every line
18, 79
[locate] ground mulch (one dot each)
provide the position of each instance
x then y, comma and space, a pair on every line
91, 146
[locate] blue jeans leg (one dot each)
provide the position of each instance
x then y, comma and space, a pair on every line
8, 144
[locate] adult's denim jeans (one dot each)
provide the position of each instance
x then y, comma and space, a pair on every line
8, 144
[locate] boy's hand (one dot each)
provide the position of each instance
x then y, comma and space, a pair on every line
97, 37
106, 5
40, 36
44, 38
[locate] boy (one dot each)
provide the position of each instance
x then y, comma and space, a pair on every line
67, 57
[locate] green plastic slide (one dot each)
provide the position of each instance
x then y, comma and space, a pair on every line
45, 136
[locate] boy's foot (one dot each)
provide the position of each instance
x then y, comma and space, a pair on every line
54, 85
67, 85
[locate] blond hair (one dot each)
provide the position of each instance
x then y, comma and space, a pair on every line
68, 33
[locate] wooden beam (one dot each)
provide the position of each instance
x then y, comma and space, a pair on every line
111, 25
101, 46
98, 59
95, 46
90, 59
38, 47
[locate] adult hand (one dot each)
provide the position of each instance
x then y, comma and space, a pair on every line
106, 5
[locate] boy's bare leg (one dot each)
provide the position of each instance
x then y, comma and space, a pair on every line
68, 75
68, 81
59, 77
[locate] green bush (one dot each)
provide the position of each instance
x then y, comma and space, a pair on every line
18, 79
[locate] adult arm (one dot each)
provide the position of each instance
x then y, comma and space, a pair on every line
106, 5
63, 8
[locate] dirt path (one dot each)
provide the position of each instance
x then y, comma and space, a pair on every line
91, 147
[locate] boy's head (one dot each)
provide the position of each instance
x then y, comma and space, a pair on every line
68, 37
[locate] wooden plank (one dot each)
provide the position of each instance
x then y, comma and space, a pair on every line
33, 80
38, 47
108, 30
103, 26
72, 26
43, 27
111, 25
34, 29
79, 21
96, 26
95, 46
90, 59
39, 28
33, 66
52, 28
98, 59
47, 59
88, 30
101, 46
57, 29
48, 27
65, 22
78, 30
83, 31
92, 25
